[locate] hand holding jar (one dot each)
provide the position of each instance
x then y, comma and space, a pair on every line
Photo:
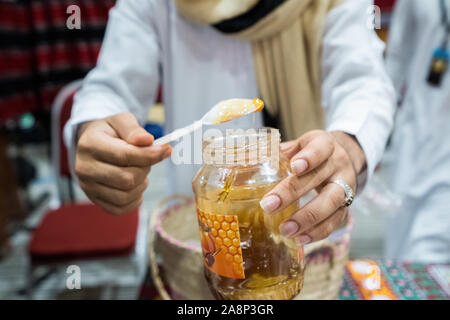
245, 256
317, 159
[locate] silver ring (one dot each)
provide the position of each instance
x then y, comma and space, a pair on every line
349, 193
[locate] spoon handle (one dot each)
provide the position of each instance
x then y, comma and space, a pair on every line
178, 133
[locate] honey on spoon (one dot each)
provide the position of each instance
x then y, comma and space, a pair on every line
222, 112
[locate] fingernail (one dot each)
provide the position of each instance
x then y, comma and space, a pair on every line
289, 228
270, 203
299, 166
304, 239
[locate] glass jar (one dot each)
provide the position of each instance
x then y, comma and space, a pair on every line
245, 256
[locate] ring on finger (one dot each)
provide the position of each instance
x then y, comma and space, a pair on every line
349, 193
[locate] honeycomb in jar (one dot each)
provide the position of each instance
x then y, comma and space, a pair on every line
226, 250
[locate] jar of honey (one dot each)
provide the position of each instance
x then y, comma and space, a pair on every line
245, 256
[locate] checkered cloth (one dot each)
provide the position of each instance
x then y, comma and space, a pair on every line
39, 54
399, 282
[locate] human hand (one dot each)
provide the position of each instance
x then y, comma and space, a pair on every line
113, 158
317, 158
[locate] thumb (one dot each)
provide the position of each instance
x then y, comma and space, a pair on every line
128, 129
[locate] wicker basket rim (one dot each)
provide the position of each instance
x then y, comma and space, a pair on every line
167, 236
335, 237
166, 207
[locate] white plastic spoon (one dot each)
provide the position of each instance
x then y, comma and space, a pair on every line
223, 111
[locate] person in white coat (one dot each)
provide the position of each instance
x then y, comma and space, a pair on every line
417, 54
149, 42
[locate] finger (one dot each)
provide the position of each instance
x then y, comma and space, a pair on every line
290, 148
128, 129
312, 154
113, 196
117, 210
324, 229
293, 188
112, 150
121, 178
314, 212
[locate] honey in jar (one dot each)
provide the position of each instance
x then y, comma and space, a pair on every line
245, 256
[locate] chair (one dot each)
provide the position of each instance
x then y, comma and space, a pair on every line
60, 113
106, 248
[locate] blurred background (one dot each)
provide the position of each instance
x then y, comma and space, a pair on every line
40, 64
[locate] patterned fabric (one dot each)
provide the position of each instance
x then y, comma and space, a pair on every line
39, 54
401, 281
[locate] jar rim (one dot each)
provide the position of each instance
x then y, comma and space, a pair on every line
239, 147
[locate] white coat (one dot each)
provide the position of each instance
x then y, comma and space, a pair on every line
148, 43
420, 151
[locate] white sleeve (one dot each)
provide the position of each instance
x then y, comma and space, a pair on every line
126, 77
401, 43
357, 94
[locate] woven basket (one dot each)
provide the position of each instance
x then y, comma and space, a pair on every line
174, 236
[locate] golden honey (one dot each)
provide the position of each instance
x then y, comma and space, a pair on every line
236, 108
245, 256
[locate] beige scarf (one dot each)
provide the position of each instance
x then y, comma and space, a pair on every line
286, 51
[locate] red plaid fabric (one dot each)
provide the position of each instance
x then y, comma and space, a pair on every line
385, 5
39, 54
